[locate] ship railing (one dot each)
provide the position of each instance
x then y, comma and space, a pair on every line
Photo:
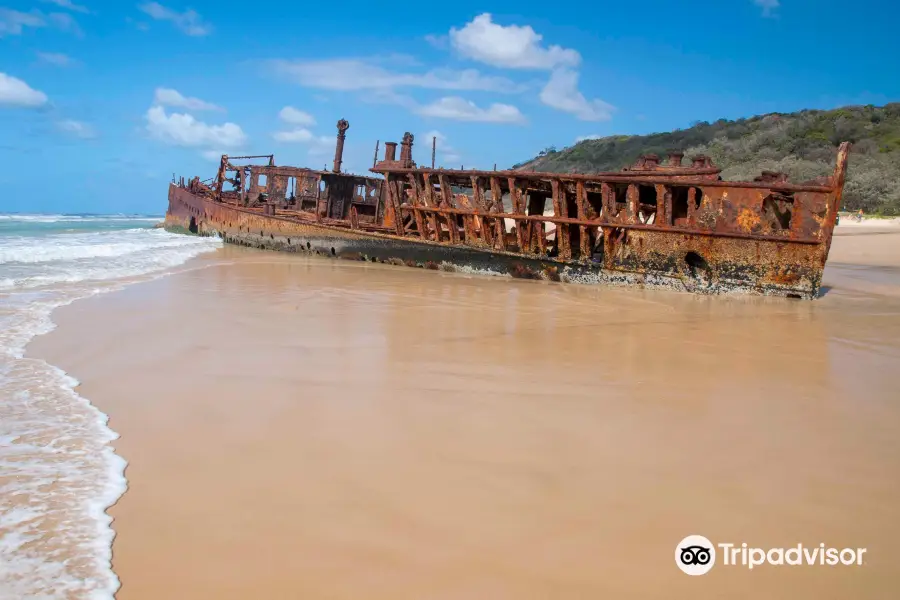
569, 215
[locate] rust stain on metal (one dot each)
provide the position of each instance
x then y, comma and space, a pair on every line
655, 223
748, 220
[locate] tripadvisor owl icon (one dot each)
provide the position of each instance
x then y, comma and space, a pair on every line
695, 555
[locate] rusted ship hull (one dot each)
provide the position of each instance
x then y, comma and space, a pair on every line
656, 260
657, 225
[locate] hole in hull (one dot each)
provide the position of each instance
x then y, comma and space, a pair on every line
696, 264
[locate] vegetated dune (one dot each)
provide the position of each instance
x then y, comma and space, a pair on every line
802, 144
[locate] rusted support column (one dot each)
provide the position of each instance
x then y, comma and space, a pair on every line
462, 201
319, 192
447, 202
394, 199
480, 206
538, 236
518, 203
406, 150
354, 218
342, 127
633, 198
416, 202
428, 189
541, 232
560, 209
254, 185
497, 207
390, 217
585, 235
838, 178
428, 196
420, 219
390, 151
663, 206
608, 199
693, 201
220, 177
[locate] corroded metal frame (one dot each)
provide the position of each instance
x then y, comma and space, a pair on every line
661, 224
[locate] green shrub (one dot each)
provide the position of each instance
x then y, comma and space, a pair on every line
802, 144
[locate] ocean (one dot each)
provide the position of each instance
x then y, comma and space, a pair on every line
58, 472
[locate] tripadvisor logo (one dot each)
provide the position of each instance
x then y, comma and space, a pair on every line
696, 555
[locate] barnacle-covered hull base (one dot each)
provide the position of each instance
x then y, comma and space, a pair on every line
653, 225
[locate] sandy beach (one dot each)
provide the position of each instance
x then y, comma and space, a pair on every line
301, 427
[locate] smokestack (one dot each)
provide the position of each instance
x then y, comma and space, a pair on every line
651, 161
342, 127
390, 151
406, 149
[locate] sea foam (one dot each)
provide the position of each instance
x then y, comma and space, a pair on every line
58, 472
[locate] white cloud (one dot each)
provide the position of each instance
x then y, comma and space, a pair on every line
521, 47
395, 59
68, 5
65, 22
460, 109
513, 46
213, 155
438, 41
138, 24
295, 135
434, 133
317, 145
768, 6
55, 58
78, 129
592, 136
180, 129
291, 115
12, 22
350, 74
561, 93
15, 92
389, 96
445, 153
170, 97
322, 145
189, 22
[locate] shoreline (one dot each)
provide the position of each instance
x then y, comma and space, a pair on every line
201, 457
61, 472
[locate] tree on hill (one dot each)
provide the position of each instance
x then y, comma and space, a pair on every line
802, 144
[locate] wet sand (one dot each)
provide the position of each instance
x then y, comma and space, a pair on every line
309, 428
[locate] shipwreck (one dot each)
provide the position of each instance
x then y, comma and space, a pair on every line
662, 224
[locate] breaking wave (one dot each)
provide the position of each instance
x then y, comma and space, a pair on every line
58, 473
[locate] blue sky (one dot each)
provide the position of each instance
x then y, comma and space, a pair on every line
100, 101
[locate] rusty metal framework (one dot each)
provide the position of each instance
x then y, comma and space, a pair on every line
322, 196
676, 220
568, 215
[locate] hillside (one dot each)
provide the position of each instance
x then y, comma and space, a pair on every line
801, 144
